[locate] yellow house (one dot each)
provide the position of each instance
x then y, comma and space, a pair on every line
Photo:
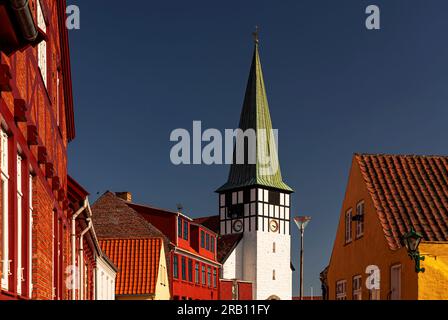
386, 197
143, 273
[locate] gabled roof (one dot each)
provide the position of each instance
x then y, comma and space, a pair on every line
113, 218
408, 191
255, 115
138, 261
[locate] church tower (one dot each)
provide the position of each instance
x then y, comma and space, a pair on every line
255, 202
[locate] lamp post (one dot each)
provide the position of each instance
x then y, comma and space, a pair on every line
411, 241
301, 223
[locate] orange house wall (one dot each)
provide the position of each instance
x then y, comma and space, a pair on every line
349, 260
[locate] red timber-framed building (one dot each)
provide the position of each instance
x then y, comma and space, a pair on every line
37, 123
191, 248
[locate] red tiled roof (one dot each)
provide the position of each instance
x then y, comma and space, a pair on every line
138, 262
408, 191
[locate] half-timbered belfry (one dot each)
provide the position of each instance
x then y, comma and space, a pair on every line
255, 202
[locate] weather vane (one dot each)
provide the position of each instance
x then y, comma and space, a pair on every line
255, 34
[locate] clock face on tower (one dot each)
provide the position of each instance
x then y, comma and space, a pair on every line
238, 226
273, 225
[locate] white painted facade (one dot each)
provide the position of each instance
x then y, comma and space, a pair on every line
104, 280
263, 256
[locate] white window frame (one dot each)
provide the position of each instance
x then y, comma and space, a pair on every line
42, 46
341, 290
360, 211
30, 238
6, 262
357, 287
20, 269
348, 226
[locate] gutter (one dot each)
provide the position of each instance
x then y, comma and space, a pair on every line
73, 243
24, 17
81, 250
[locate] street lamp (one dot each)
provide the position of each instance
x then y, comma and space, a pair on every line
301, 223
411, 241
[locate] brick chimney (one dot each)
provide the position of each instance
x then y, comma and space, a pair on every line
126, 196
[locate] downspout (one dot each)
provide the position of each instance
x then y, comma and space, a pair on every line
73, 242
25, 19
81, 250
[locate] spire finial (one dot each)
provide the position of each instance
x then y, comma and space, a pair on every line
255, 34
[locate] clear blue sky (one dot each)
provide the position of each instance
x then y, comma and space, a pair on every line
144, 68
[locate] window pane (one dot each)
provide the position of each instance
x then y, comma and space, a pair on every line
190, 270
185, 230
184, 269
175, 267
179, 227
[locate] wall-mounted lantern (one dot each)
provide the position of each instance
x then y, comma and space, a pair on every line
411, 241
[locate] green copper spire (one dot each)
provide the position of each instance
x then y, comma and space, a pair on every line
255, 115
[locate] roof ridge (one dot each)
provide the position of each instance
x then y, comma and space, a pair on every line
404, 155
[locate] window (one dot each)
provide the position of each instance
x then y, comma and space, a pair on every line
273, 247
207, 241
395, 282
203, 275
184, 268
179, 227
215, 280
348, 226
5, 263
196, 273
190, 270
42, 46
202, 239
176, 267
186, 230
30, 238
209, 276
20, 269
357, 288
212, 246
273, 275
266, 196
341, 287
360, 219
